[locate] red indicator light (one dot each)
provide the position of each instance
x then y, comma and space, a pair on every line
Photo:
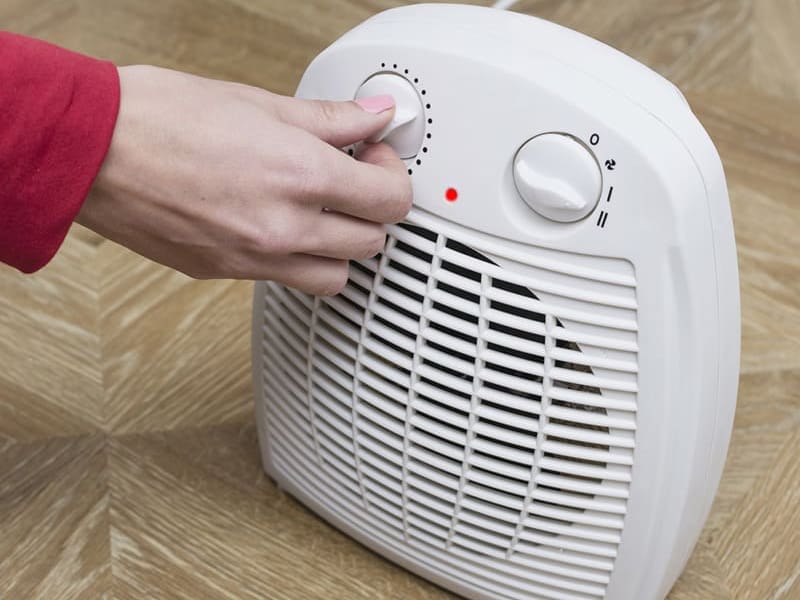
451, 195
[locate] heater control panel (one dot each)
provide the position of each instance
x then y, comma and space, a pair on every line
558, 177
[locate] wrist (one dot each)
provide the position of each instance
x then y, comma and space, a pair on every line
111, 178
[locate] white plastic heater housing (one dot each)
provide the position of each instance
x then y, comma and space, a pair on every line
530, 392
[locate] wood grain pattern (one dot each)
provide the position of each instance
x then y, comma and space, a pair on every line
776, 47
129, 464
50, 383
767, 524
54, 518
150, 317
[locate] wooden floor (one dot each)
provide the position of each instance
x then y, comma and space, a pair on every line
128, 457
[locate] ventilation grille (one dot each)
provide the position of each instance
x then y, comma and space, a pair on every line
443, 407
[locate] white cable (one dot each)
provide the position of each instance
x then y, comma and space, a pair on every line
504, 4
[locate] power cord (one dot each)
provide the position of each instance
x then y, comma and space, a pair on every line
504, 4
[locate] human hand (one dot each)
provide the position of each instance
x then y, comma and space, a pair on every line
223, 180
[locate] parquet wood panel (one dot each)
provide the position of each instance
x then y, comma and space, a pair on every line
54, 518
129, 464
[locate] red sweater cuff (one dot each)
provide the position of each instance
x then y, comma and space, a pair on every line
57, 115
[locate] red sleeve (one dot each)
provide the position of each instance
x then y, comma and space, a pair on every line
57, 114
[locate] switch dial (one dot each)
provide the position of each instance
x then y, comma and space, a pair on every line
558, 177
406, 130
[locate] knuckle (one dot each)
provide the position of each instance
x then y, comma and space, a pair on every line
403, 201
273, 236
327, 113
252, 95
373, 243
337, 280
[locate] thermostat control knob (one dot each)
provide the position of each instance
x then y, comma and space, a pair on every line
406, 130
558, 177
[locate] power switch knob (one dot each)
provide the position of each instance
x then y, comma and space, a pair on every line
558, 177
407, 129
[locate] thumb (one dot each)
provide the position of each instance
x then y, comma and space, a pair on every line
340, 123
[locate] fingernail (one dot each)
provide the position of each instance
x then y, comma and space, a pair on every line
376, 104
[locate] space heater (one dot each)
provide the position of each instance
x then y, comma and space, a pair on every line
529, 393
